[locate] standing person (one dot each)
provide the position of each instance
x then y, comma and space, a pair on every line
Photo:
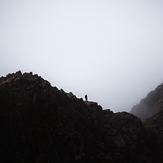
86, 98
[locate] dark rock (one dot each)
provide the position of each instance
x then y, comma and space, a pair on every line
40, 123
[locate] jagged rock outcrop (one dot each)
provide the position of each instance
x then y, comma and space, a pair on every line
40, 123
150, 105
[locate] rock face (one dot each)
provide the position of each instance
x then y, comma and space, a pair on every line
150, 105
154, 125
41, 124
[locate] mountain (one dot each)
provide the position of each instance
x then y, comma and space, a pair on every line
150, 105
40, 123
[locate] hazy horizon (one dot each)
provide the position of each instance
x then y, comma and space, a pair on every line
110, 50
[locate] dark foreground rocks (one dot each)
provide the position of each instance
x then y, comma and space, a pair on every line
41, 124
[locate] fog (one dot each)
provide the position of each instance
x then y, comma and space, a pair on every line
110, 50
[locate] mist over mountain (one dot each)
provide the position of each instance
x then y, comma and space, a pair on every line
40, 123
109, 49
150, 105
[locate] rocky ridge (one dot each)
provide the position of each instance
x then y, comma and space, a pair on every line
40, 123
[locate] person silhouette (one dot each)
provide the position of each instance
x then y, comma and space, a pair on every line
86, 98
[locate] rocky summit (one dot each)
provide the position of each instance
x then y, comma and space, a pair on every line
41, 124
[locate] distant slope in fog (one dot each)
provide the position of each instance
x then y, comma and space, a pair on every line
150, 105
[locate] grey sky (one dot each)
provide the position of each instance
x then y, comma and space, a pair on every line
110, 50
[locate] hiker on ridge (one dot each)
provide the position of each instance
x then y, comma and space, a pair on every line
86, 98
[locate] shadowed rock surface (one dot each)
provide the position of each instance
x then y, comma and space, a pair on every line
41, 124
150, 105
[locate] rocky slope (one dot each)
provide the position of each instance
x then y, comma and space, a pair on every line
154, 124
150, 105
40, 123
